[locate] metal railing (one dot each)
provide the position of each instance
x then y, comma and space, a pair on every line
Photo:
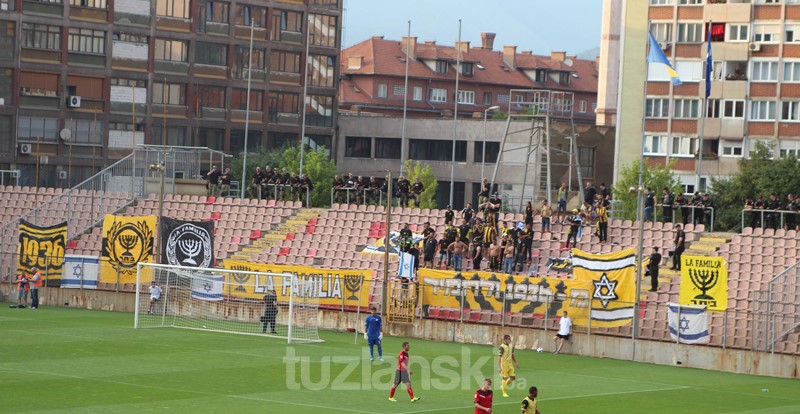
688, 215
352, 195
775, 219
280, 192
9, 177
779, 308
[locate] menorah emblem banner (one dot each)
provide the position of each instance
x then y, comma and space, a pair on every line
187, 243
126, 242
704, 281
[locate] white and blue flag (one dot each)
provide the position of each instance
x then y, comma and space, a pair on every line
207, 287
688, 324
80, 272
406, 269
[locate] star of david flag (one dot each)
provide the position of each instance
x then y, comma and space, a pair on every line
611, 280
80, 272
688, 324
207, 287
406, 269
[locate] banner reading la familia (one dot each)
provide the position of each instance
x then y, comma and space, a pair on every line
704, 281
331, 286
613, 279
42, 247
187, 243
126, 242
536, 296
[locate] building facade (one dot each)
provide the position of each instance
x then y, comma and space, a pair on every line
84, 81
754, 94
372, 138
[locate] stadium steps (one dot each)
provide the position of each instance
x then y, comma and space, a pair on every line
709, 244
286, 229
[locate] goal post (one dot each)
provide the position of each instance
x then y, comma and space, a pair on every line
233, 301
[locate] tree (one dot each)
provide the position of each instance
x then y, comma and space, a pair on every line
414, 169
262, 158
758, 175
654, 177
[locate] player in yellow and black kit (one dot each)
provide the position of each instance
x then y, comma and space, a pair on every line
507, 362
529, 403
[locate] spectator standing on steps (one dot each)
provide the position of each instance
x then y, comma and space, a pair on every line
667, 201
561, 207
404, 189
416, 189
589, 193
212, 176
649, 204
225, 183
652, 269
680, 240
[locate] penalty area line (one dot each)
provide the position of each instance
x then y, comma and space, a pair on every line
347, 410
569, 397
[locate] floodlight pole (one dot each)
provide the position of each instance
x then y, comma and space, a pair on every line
387, 241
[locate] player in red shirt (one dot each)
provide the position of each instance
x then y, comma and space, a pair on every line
483, 397
403, 374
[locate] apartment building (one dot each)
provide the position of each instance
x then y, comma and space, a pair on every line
83, 81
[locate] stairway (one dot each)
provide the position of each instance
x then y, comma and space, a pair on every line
298, 222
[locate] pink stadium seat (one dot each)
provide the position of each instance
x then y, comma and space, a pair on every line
211, 200
312, 253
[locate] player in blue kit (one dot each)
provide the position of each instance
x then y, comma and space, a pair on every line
373, 334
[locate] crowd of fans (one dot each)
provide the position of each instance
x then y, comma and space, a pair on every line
352, 190
278, 184
777, 215
699, 209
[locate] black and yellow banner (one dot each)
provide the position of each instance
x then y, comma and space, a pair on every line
42, 247
613, 280
704, 281
535, 296
126, 242
333, 287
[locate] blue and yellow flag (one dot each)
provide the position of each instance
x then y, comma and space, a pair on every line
613, 281
656, 55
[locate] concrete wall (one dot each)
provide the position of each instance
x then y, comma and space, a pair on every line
662, 353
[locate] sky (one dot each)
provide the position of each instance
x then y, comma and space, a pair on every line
539, 25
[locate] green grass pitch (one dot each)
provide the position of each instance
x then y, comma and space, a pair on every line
79, 361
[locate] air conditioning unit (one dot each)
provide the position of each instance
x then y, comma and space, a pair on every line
74, 102
755, 47
62, 175
25, 149
664, 45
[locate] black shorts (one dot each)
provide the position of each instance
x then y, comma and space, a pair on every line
401, 376
564, 337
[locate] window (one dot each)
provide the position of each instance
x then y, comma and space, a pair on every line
382, 89
492, 149
790, 111
242, 58
172, 94
438, 95
173, 8
323, 30
387, 148
247, 14
86, 131
286, 21
38, 84
217, 11
714, 108
586, 157
211, 138
738, 32
487, 98
171, 50
41, 36
684, 146
691, 2
319, 110
762, 110
563, 78
792, 33
137, 83
791, 71
656, 108
283, 103
441, 67
398, 90
764, 71
583, 106
766, 33
717, 32
733, 108
789, 148
660, 2
239, 99
286, 62
731, 148
358, 147
466, 97
690, 33
561, 105
131, 38
503, 98
125, 126
686, 108
176, 135
417, 93
211, 96
37, 128
655, 145
87, 41
211, 54
321, 71
94, 4
690, 70
436, 150
661, 31
328, 4
467, 68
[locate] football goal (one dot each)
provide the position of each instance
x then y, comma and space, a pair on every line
221, 300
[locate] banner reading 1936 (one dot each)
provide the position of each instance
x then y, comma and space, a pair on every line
42, 247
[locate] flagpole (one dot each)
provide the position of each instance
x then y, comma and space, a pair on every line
639, 201
455, 115
708, 71
405, 101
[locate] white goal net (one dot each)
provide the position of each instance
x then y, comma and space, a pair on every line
251, 303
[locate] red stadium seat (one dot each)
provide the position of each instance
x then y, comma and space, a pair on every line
215, 215
255, 234
284, 251
289, 236
211, 200
310, 229
72, 244
271, 203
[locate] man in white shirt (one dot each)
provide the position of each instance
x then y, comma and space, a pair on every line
564, 332
155, 295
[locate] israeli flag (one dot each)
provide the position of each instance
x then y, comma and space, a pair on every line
207, 287
406, 266
688, 324
79, 272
